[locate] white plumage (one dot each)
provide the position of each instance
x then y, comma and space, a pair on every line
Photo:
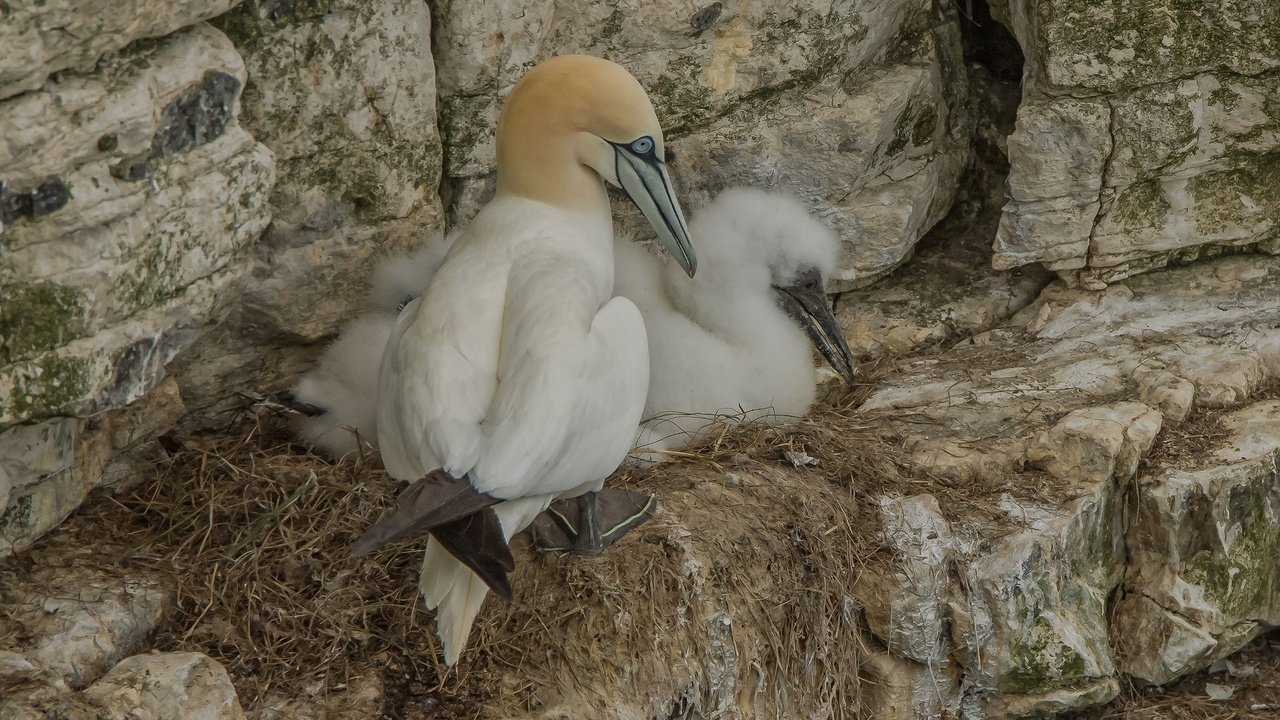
517, 377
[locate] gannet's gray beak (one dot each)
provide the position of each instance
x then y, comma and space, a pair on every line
643, 177
806, 303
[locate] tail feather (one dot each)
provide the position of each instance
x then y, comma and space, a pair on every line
456, 593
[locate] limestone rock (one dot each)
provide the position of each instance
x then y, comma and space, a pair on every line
938, 296
1057, 154
1204, 544
161, 686
1033, 624
1172, 395
123, 230
81, 622
907, 608
54, 464
343, 93
1029, 616
856, 106
1097, 443
1171, 157
39, 39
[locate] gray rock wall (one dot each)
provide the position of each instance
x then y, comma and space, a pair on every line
1149, 133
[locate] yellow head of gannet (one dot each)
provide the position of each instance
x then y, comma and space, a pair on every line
574, 119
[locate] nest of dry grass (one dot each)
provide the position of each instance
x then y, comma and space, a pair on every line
740, 581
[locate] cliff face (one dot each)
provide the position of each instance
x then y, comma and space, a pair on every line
1149, 133
192, 195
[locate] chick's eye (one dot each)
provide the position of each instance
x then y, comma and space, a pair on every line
643, 146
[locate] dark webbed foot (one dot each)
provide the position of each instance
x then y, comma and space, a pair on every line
575, 525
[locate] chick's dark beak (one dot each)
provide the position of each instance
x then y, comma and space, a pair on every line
806, 303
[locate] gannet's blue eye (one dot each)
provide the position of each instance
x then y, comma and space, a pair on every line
643, 146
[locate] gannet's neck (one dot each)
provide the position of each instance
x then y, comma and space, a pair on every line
549, 168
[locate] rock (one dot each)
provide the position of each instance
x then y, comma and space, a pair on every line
184, 685
39, 39
1032, 626
1204, 543
343, 93
53, 465
1172, 395
1029, 615
1170, 157
81, 622
100, 287
906, 609
857, 107
1057, 154
947, 291
1097, 443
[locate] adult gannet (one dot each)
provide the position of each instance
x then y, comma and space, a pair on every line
515, 378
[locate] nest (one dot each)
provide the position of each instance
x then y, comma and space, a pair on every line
742, 579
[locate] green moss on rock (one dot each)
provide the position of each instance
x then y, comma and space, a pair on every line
1242, 581
35, 317
16, 519
47, 386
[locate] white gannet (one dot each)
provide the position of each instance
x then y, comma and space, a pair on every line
737, 336
517, 377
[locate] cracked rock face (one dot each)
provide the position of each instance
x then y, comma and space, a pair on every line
857, 107
1147, 134
1204, 544
1082, 385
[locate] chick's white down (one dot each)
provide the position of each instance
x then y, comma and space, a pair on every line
720, 346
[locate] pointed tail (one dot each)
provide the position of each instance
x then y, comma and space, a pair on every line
456, 593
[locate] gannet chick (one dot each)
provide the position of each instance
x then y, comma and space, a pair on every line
736, 341
335, 403
515, 378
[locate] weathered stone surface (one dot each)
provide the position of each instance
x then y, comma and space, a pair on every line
40, 38
1204, 543
1098, 442
343, 93
53, 465
1175, 158
1111, 46
81, 622
856, 107
162, 686
1029, 618
1057, 154
940, 295
906, 609
100, 292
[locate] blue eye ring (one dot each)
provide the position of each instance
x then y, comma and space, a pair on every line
642, 146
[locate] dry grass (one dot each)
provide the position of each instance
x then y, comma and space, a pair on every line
251, 530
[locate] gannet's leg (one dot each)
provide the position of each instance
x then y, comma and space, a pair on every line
588, 541
616, 513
